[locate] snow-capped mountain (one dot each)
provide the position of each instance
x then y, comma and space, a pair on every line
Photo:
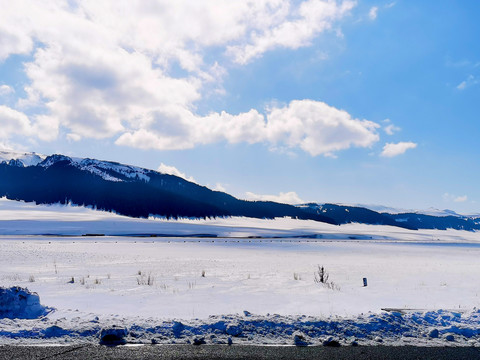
110, 171
391, 210
21, 158
124, 189
409, 219
139, 192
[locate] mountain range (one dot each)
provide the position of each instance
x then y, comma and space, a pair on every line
138, 192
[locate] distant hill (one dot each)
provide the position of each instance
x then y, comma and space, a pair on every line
138, 192
344, 214
125, 189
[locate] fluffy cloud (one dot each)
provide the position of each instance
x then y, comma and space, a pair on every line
286, 198
392, 149
390, 128
13, 122
372, 14
312, 126
93, 76
172, 170
220, 187
318, 128
294, 29
6, 90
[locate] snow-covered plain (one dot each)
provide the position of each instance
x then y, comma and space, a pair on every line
254, 290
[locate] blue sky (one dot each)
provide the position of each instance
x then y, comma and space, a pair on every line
370, 102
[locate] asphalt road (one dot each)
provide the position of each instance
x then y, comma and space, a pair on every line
214, 352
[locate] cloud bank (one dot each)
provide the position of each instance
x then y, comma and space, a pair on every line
93, 76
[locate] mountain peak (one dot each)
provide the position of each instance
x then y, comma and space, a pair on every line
26, 158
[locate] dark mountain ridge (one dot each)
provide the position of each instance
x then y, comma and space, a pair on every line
129, 191
344, 214
139, 192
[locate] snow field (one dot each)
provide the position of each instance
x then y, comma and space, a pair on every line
154, 288
271, 279
111, 276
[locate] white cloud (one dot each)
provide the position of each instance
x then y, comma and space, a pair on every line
16, 35
471, 80
313, 126
220, 187
372, 14
172, 170
318, 128
390, 128
13, 122
462, 85
93, 76
294, 29
450, 197
286, 198
6, 90
73, 137
392, 149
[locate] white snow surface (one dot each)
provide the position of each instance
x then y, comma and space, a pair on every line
254, 290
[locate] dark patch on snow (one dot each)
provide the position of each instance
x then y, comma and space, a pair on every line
450, 337
177, 328
331, 342
199, 341
113, 336
299, 339
55, 331
233, 330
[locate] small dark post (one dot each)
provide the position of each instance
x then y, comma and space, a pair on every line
364, 281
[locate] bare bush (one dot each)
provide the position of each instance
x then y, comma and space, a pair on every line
145, 279
150, 279
31, 278
321, 276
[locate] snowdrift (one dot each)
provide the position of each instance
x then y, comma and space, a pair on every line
20, 303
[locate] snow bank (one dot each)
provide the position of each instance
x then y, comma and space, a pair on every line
434, 328
20, 303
